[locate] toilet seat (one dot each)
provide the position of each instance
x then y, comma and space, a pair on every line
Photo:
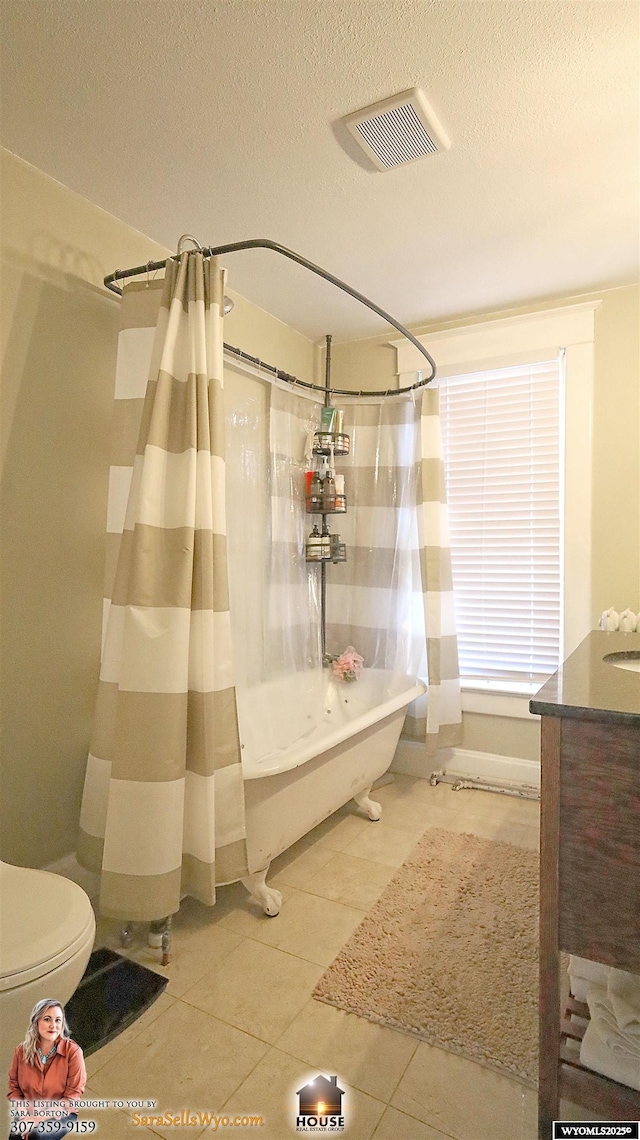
44, 920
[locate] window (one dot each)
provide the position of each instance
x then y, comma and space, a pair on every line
495, 346
501, 448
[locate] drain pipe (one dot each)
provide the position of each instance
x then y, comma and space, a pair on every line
505, 788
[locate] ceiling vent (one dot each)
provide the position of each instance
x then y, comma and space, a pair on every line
397, 130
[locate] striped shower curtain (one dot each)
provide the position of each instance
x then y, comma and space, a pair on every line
442, 725
393, 599
163, 805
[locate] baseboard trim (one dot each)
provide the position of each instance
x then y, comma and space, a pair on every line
487, 767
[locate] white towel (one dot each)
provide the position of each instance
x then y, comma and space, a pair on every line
596, 1055
623, 1039
610, 619
586, 968
583, 973
579, 987
627, 621
623, 994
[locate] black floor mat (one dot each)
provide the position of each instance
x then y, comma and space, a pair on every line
112, 994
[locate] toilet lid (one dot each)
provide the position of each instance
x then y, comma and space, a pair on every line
44, 920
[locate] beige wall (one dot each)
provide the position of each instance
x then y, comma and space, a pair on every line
615, 527
265, 337
616, 453
59, 334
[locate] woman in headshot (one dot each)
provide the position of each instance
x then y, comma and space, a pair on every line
48, 1065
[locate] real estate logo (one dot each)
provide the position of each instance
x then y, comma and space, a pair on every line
320, 1106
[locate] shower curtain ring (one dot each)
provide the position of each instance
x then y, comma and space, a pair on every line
188, 237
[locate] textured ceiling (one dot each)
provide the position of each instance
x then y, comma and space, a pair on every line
221, 118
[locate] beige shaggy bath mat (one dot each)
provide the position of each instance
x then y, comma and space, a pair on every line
449, 952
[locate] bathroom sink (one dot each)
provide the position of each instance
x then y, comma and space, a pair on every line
629, 659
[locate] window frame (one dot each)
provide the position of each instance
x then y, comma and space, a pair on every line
527, 338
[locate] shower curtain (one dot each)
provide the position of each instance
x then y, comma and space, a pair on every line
442, 723
393, 598
293, 631
163, 805
275, 596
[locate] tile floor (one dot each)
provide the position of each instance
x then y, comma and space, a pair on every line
237, 1032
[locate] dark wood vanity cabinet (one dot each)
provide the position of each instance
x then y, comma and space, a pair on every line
589, 856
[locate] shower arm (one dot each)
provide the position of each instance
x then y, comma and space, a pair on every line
264, 243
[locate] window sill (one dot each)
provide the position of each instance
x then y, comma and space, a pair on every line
499, 698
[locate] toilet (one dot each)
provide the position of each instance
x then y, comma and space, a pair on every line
47, 930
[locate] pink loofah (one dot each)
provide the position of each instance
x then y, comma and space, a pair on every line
348, 666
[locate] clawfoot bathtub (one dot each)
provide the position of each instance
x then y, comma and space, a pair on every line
290, 791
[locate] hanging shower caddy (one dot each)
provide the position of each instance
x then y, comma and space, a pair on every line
324, 491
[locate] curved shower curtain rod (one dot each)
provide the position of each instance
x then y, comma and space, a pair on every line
264, 243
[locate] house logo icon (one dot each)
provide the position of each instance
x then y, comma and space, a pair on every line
320, 1106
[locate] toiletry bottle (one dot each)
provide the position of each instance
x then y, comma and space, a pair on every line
315, 493
338, 549
327, 417
314, 546
325, 539
329, 492
341, 502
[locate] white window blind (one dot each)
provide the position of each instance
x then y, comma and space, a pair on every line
501, 444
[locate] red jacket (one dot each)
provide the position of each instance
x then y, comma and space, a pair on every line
63, 1078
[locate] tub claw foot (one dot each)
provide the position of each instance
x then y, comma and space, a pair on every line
126, 937
159, 935
269, 898
373, 809
166, 943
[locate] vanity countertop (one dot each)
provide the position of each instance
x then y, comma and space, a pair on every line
589, 687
